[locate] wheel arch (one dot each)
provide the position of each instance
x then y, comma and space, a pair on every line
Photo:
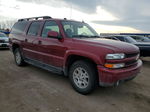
72, 57
14, 46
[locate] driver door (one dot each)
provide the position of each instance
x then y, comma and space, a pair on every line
51, 50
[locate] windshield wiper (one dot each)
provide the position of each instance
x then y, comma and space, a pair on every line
86, 36
95, 36
81, 36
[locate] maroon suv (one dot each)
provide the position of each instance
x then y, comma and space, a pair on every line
73, 49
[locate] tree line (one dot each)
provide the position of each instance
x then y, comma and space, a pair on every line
7, 24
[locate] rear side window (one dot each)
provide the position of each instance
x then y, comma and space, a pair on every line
19, 27
34, 28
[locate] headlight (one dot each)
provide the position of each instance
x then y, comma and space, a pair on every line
115, 56
119, 65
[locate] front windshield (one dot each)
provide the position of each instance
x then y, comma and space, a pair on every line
130, 39
2, 35
78, 29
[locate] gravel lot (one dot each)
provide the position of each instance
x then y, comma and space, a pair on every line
30, 89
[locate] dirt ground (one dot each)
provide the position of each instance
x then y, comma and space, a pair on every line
30, 89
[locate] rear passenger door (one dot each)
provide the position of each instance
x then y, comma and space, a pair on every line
51, 49
30, 46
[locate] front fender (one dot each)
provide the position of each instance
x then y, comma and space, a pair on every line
85, 54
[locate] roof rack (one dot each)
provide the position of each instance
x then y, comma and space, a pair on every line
35, 18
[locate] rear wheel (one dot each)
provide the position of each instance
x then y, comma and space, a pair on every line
18, 57
83, 77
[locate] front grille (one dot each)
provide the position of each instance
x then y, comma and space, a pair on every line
129, 63
131, 55
2, 41
134, 58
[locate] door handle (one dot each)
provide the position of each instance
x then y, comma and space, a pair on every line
39, 42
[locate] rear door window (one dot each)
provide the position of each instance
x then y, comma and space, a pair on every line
34, 28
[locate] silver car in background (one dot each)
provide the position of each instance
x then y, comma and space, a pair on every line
4, 41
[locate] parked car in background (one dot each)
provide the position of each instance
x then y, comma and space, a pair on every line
143, 46
5, 31
122, 38
148, 37
110, 37
4, 41
140, 38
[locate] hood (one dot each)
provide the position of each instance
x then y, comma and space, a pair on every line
116, 46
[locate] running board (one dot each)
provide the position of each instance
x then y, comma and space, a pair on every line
39, 64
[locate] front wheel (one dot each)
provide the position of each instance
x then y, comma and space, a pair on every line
18, 57
83, 78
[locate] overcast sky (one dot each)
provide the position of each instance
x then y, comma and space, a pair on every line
103, 15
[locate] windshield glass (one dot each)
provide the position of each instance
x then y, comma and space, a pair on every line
2, 35
130, 39
78, 29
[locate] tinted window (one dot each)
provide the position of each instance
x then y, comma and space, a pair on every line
108, 37
19, 27
49, 26
34, 28
120, 38
130, 40
114, 38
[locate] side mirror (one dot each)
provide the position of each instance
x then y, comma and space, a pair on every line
54, 34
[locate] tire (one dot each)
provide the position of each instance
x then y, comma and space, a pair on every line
18, 57
83, 77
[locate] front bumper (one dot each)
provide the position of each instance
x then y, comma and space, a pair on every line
110, 77
4, 45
